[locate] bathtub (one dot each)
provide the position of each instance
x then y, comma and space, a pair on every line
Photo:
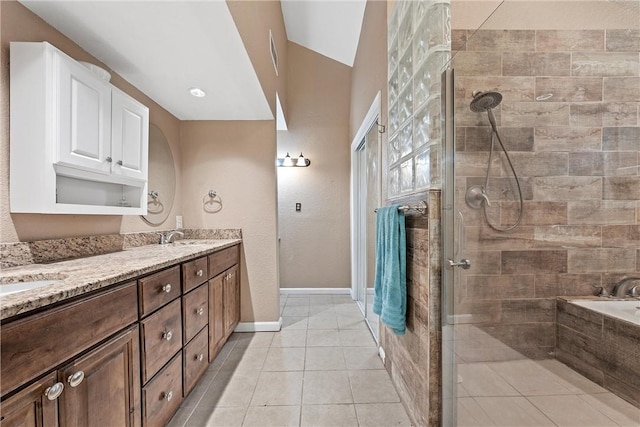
628, 311
600, 339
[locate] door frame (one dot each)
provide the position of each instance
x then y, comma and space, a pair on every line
369, 120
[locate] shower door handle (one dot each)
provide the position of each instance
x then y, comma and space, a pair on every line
465, 264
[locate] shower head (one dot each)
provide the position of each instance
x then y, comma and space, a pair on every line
483, 101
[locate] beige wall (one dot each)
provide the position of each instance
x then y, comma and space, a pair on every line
19, 24
370, 67
314, 245
254, 19
237, 160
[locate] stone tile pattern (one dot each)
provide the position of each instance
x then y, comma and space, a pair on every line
602, 348
570, 120
414, 359
55, 250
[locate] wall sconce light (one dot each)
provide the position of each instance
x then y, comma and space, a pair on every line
287, 162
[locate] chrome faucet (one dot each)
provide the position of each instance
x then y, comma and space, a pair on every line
623, 287
167, 238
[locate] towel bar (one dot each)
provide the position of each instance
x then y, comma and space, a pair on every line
422, 208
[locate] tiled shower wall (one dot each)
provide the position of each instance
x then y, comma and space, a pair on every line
414, 359
570, 119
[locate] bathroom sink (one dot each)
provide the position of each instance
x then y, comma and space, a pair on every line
12, 288
190, 243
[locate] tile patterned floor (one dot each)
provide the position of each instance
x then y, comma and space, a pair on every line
536, 393
322, 369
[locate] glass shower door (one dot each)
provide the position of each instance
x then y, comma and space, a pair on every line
516, 351
368, 190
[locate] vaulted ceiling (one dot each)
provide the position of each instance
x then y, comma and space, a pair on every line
166, 47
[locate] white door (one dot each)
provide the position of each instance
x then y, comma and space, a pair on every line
84, 117
129, 136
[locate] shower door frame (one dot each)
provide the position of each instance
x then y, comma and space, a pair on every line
449, 251
358, 237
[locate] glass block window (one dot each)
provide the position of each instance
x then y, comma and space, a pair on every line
419, 47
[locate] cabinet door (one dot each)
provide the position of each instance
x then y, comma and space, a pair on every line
129, 136
84, 117
102, 388
234, 276
216, 315
231, 300
30, 407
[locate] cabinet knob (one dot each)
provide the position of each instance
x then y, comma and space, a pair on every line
199, 357
167, 395
199, 273
119, 162
167, 335
200, 311
75, 379
53, 392
109, 159
166, 288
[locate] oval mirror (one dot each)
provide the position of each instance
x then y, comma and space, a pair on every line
162, 178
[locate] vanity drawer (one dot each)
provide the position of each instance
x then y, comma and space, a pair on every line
158, 289
222, 260
33, 345
194, 273
195, 313
162, 396
196, 359
161, 335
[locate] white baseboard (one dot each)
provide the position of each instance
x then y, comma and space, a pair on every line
315, 291
259, 326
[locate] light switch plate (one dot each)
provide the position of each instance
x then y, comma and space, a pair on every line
179, 221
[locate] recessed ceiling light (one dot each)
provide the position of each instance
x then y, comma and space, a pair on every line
197, 92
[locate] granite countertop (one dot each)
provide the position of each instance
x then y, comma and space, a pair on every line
79, 276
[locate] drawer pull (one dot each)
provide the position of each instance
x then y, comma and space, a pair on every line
75, 379
199, 273
199, 357
167, 335
167, 395
200, 311
166, 288
53, 392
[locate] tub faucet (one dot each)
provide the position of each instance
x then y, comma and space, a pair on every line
623, 287
167, 238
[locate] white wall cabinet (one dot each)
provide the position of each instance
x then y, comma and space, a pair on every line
78, 144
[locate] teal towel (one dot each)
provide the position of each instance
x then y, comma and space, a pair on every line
390, 285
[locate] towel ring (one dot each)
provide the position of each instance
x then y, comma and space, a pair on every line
211, 202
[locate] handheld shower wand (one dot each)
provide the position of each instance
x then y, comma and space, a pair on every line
477, 196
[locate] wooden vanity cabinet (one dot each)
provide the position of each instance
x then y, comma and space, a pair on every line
124, 356
109, 372
35, 344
